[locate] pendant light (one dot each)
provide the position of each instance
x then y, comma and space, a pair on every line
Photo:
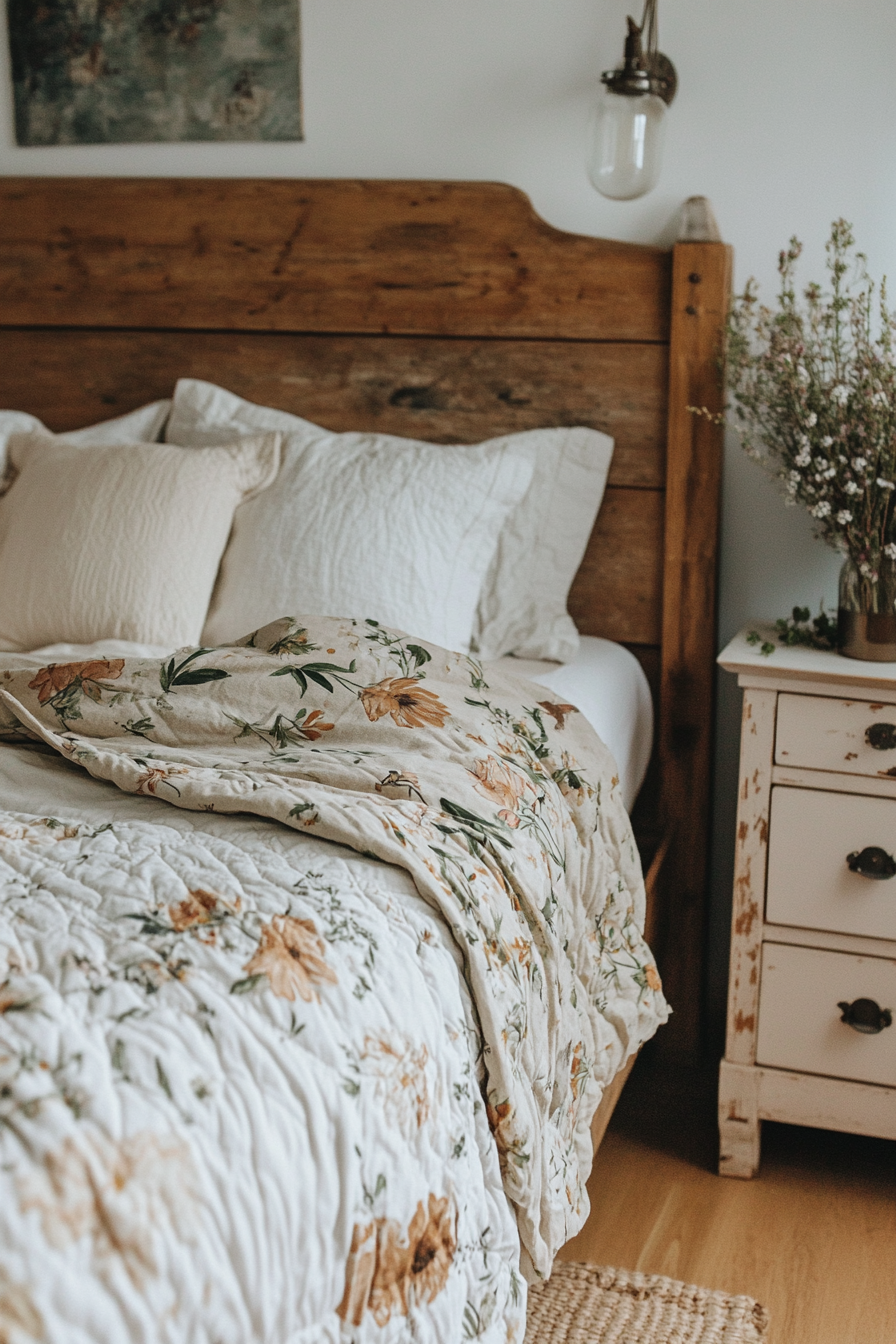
628, 132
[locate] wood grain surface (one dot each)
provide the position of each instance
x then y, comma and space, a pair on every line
701, 288
813, 1237
428, 258
448, 391
619, 586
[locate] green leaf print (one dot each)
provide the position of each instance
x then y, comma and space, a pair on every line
162, 1076
419, 654
408, 656
246, 986
294, 642
301, 808
66, 702
174, 674
307, 726
139, 727
485, 830
316, 672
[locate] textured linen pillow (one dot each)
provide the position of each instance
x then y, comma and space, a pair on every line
118, 541
522, 605
357, 524
144, 425
522, 609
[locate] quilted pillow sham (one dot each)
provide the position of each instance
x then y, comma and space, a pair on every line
515, 604
118, 541
357, 524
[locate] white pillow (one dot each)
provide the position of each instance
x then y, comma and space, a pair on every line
522, 606
144, 425
522, 609
118, 541
357, 524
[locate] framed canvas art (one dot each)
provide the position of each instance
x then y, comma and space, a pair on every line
131, 71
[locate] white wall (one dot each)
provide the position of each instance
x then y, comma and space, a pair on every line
786, 118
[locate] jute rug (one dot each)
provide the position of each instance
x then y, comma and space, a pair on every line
589, 1304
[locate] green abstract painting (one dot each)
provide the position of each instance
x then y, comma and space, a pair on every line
89, 72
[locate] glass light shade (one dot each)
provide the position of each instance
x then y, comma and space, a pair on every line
628, 144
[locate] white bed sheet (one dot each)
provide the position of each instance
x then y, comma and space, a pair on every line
607, 684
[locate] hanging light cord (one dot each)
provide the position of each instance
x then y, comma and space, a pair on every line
650, 29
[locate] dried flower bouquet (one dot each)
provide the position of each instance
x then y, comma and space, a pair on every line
813, 384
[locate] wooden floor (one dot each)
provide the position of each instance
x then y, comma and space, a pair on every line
813, 1237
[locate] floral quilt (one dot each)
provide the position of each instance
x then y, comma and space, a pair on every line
247, 1099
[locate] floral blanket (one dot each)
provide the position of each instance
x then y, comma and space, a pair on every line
176, 1014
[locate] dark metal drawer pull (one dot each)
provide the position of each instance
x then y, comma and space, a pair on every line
872, 862
881, 736
866, 1016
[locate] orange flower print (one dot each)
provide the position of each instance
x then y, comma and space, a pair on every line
511, 1147
500, 784
312, 728
49, 681
495, 951
653, 978
389, 1270
410, 705
578, 1070
291, 954
498, 1117
433, 1236
19, 1317
155, 776
401, 1081
118, 1193
359, 1271
198, 908
558, 712
523, 949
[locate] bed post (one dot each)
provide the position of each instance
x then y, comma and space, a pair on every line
701, 285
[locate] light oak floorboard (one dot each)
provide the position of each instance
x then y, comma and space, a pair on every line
813, 1237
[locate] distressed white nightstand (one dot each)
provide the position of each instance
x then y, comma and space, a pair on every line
812, 992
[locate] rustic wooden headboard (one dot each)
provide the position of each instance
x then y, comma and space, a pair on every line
442, 310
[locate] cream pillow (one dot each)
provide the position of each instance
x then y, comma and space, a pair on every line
119, 541
357, 524
522, 601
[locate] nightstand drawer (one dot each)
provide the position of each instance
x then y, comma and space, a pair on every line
800, 1025
812, 835
857, 737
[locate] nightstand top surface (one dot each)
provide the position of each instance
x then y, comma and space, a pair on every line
799, 664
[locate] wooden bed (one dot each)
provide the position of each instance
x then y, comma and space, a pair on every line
440, 310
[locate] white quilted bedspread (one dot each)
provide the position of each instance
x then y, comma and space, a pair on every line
184, 1162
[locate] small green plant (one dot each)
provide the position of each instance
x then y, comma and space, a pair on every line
800, 627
